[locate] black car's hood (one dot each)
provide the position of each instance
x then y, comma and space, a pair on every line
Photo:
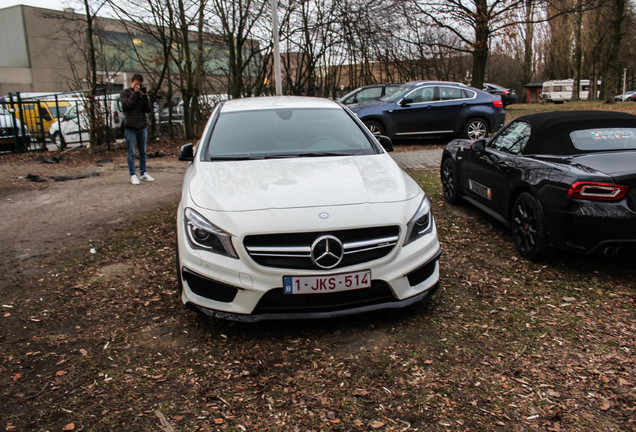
620, 165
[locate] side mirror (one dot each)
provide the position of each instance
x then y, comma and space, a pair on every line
186, 152
386, 142
478, 146
406, 102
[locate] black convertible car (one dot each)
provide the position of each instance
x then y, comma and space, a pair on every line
562, 179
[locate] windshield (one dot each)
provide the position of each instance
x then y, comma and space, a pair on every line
398, 93
604, 139
287, 132
55, 113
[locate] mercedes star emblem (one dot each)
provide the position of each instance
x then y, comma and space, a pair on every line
327, 252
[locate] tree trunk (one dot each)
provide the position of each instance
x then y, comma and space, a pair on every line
611, 67
480, 48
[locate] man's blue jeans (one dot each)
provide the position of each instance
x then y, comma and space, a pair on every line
136, 140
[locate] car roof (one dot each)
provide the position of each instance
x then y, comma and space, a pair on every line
550, 131
419, 83
276, 102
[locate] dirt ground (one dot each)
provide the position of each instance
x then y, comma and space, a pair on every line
48, 217
101, 341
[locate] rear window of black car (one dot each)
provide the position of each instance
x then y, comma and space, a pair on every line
600, 139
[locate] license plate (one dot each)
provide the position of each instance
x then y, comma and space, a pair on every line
327, 283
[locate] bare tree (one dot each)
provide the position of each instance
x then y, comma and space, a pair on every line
474, 23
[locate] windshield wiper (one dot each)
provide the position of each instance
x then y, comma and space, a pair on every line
319, 154
233, 158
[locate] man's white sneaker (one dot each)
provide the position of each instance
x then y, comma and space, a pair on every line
134, 179
146, 177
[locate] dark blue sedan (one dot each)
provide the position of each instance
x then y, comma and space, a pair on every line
426, 108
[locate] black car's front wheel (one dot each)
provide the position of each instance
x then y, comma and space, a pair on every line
374, 127
528, 228
449, 181
475, 129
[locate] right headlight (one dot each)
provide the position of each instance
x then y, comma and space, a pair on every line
204, 235
421, 223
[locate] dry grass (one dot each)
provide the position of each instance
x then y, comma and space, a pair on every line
517, 110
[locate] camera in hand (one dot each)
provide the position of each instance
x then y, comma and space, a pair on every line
142, 88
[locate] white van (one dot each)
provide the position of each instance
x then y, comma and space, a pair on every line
559, 91
73, 128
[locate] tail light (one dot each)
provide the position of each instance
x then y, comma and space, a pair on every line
506, 91
498, 103
597, 191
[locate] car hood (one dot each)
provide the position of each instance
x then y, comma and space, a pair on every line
301, 182
374, 106
620, 165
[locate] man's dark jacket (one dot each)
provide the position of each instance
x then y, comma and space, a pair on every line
135, 107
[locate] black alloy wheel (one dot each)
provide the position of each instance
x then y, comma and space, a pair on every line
528, 228
449, 181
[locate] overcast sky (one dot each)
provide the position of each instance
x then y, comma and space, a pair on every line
47, 4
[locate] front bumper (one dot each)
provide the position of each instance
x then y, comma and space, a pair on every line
241, 290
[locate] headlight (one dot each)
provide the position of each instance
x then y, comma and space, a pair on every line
421, 223
203, 235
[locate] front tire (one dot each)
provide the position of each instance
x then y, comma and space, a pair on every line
448, 175
58, 140
475, 129
528, 228
374, 127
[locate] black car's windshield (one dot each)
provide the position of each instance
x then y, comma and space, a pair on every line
286, 132
599, 139
398, 94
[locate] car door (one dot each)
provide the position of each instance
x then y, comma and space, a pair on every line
412, 114
489, 174
74, 126
453, 108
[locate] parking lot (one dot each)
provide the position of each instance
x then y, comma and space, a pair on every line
95, 338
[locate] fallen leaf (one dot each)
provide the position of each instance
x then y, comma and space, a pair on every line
375, 424
605, 405
218, 421
60, 373
69, 427
17, 376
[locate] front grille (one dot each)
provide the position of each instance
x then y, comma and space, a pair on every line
293, 250
275, 301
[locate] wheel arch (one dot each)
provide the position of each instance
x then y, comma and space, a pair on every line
378, 120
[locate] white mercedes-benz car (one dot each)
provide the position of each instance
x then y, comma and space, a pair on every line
291, 209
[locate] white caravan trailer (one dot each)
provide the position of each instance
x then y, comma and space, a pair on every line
559, 91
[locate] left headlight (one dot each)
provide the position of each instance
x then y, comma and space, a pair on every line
421, 223
204, 235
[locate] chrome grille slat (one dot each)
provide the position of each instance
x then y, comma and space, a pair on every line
293, 250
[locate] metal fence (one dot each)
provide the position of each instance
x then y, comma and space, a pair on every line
56, 122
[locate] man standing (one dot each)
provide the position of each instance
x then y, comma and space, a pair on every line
136, 105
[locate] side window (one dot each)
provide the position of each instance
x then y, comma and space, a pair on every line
512, 139
422, 94
450, 93
369, 94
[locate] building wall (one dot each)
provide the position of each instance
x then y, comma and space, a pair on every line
44, 50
